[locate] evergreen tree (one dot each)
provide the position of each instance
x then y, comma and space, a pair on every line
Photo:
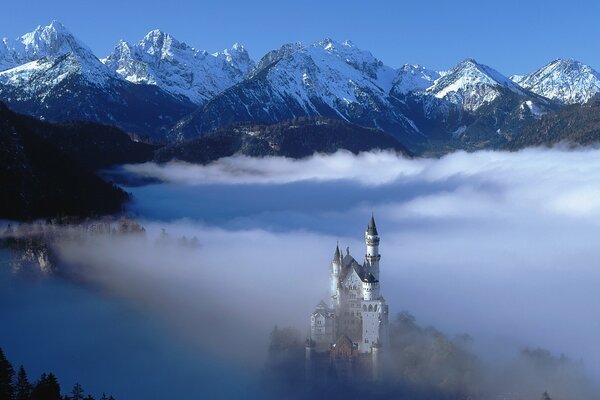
77, 392
47, 388
7, 374
546, 396
22, 387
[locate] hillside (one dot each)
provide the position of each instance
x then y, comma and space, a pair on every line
297, 138
38, 180
92, 144
575, 124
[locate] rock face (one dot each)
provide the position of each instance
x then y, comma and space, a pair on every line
296, 138
563, 80
161, 60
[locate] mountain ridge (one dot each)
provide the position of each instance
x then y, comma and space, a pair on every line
166, 90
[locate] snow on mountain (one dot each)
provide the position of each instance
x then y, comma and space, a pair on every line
412, 78
159, 59
237, 57
471, 85
338, 74
53, 40
46, 56
58, 78
328, 78
563, 80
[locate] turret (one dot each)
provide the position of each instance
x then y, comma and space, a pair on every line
372, 241
370, 288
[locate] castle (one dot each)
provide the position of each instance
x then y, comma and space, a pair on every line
349, 335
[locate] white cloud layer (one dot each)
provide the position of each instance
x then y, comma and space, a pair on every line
499, 245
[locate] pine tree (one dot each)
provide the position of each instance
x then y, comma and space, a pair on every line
546, 396
7, 374
22, 387
47, 388
77, 392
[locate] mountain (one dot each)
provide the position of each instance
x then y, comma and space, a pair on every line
45, 41
413, 78
470, 85
62, 80
165, 90
161, 60
297, 138
575, 124
39, 181
328, 78
562, 80
470, 107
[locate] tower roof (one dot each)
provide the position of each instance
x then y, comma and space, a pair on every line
336, 256
372, 228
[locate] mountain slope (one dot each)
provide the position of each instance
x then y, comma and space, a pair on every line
67, 82
37, 180
327, 78
296, 138
161, 60
576, 124
413, 78
566, 81
91, 144
471, 85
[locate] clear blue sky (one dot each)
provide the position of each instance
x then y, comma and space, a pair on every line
512, 36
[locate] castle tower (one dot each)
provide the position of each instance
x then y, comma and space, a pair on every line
374, 316
372, 241
336, 268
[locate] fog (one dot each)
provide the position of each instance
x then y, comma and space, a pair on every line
501, 246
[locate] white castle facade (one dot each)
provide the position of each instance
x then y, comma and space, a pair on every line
349, 334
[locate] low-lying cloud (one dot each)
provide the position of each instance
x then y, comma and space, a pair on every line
502, 246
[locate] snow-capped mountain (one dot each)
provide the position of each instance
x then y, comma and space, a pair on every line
471, 85
161, 60
566, 81
45, 41
328, 78
413, 78
59, 78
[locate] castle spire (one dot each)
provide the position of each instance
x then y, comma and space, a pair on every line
372, 241
336, 256
372, 228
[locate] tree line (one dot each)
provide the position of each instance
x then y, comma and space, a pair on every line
17, 386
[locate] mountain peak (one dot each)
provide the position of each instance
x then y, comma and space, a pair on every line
412, 78
471, 84
565, 80
52, 40
160, 59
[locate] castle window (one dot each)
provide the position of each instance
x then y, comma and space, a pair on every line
364, 307
375, 307
370, 307
366, 340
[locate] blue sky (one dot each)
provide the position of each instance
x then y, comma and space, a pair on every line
512, 36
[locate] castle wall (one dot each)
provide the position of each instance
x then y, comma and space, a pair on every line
373, 319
